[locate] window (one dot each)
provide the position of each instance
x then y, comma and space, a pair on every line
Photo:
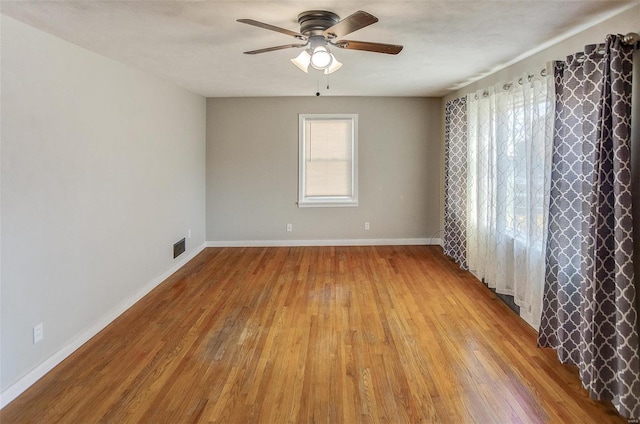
509, 129
328, 170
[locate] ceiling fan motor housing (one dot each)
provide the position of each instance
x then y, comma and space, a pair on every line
314, 22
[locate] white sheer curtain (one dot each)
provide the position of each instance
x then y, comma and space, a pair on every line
510, 134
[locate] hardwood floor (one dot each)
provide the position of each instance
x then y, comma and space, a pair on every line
390, 334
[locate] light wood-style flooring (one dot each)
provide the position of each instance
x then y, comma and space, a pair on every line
389, 334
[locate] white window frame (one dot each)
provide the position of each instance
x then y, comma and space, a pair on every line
327, 201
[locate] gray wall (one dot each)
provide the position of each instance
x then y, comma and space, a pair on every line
252, 170
102, 171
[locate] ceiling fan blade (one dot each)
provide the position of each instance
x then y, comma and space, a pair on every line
271, 49
350, 24
370, 47
272, 28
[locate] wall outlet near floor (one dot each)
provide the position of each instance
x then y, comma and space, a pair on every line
289, 228
189, 233
38, 333
366, 226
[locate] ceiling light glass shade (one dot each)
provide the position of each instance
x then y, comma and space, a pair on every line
302, 61
334, 66
321, 58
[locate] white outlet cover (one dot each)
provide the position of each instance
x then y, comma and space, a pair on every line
38, 333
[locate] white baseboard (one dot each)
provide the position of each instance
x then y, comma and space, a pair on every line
337, 242
38, 372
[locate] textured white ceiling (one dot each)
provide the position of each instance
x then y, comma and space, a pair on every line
198, 45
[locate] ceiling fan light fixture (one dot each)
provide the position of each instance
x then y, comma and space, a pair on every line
334, 66
320, 29
302, 61
321, 58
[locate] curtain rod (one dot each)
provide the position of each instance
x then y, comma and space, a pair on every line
631, 38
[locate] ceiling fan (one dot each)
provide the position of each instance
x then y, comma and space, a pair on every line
320, 29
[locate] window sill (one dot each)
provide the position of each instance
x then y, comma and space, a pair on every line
327, 204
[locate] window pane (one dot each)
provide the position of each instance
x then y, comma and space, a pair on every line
328, 178
328, 171
328, 157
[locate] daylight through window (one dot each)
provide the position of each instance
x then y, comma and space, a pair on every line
328, 160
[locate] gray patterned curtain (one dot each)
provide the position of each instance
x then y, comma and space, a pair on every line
589, 311
455, 183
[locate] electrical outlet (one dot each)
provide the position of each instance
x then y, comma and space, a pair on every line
289, 228
189, 233
366, 226
38, 333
